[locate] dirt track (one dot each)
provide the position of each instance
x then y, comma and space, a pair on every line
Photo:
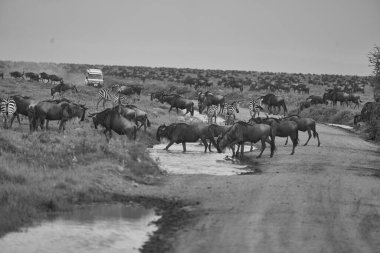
322, 199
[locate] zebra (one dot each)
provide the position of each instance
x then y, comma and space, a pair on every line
8, 108
255, 107
230, 110
105, 95
211, 113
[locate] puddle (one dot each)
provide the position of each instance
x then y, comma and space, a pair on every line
195, 161
95, 228
342, 126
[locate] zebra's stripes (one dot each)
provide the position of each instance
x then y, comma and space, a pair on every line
105, 95
8, 108
211, 113
255, 107
231, 108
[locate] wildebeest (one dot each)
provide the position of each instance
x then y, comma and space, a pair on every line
130, 89
32, 76
282, 128
178, 102
44, 76
54, 78
216, 130
22, 103
304, 105
2, 75
355, 99
62, 88
63, 111
17, 74
112, 120
305, 124
242, 132
131, 112
211, 99
156, 95
335, 96
182, 133
314, 100
272, 100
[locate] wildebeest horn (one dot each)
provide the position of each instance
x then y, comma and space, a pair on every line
91, 115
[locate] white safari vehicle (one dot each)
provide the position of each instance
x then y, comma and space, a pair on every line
94, 77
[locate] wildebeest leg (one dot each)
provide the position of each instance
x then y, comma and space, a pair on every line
294, 141
286, 142
263, 146
47, 125
309, 133
171, 107
205, 143
315, 134
61, 125
168, 146
184, 146
241, 149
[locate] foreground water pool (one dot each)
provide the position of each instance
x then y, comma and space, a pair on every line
95, 228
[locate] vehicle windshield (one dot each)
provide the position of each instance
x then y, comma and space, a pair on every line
95, 76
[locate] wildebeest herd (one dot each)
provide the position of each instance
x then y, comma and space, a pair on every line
126, 119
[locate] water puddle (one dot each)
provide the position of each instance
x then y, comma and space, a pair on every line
195, 161
342, 126
95, 228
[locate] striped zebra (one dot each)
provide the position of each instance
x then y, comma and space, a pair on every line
212, 111
230, 110
106, 94
8, 108
255, 107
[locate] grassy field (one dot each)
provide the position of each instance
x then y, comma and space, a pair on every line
48, 171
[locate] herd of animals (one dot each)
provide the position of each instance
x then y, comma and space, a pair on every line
126, 119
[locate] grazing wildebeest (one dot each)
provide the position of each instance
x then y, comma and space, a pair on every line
22, 103
182, 133
242, 132
63, 111
130, 89
112, 120
305, 124
17, 74
211, 99
44, 76
7, 108
32, 76
365, 114
272, 100
176, 101
335, 96
282, 128
131, 112
217, 130
54, 78
315, 100
62, 88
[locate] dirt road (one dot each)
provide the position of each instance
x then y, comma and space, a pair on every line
322, 199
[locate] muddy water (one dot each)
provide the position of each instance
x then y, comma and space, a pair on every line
96, 228
195, 161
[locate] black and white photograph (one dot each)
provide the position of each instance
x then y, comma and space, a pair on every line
189, 126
